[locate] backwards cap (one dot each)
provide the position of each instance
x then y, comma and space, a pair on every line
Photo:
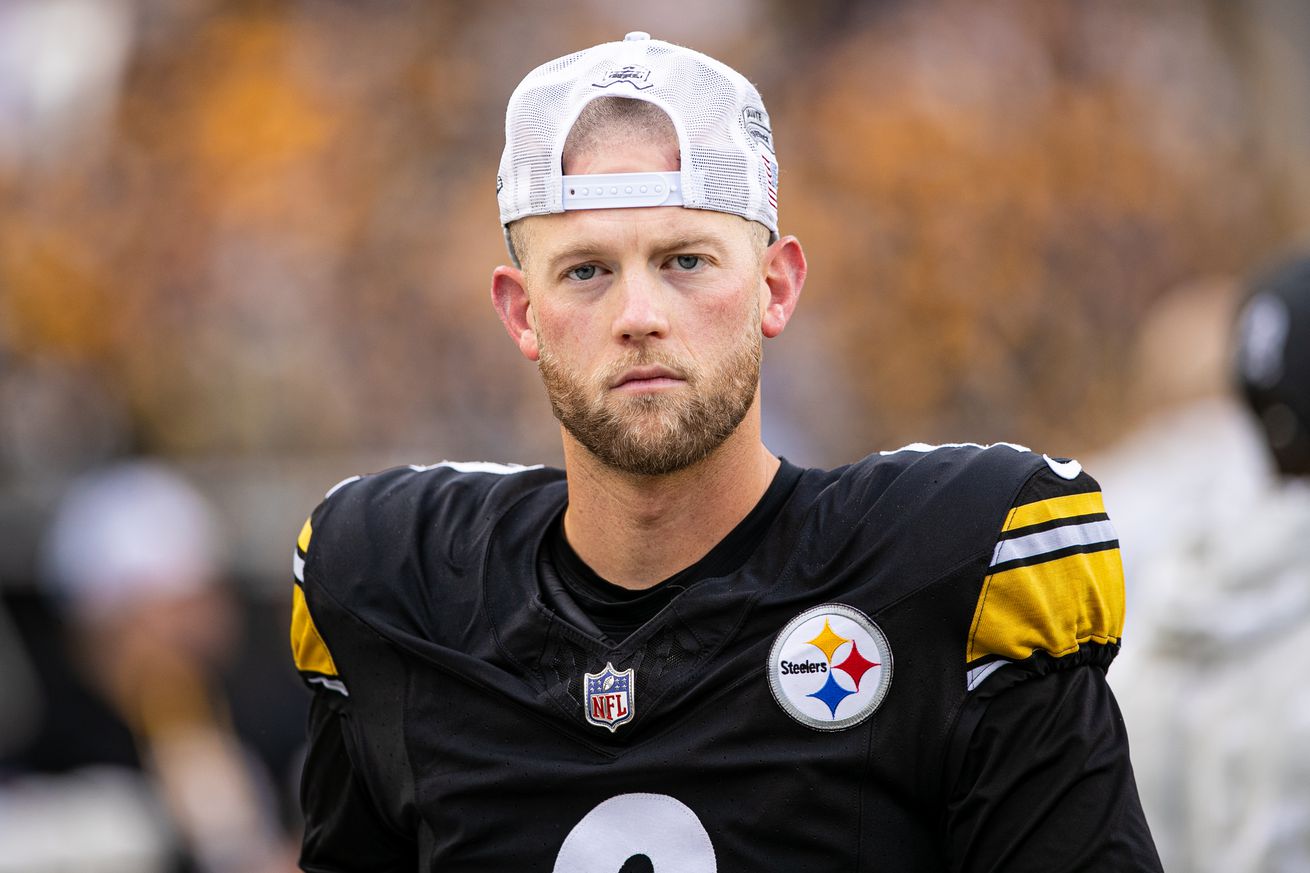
728, 164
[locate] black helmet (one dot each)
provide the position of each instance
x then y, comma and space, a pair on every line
1272, 362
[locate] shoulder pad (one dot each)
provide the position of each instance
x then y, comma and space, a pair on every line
355, 552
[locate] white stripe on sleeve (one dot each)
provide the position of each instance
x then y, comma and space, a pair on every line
1053, 540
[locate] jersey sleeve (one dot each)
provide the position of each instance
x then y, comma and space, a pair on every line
313, 659
1053, 595
1039, 773
1046, 783
345, 830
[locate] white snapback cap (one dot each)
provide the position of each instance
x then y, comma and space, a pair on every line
728, 162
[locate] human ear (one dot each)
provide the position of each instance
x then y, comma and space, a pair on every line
784, 276
509, 294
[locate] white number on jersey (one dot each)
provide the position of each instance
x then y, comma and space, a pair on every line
663, 829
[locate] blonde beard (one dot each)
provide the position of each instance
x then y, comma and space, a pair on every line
657, 433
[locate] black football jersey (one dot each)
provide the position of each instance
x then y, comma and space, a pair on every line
905, 674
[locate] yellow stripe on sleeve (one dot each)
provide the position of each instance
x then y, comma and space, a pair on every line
1053, 607
1054, 508
305, 533
307, 647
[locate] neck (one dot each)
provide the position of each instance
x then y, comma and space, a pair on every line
638, 530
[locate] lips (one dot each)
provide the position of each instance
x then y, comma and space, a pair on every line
647, 376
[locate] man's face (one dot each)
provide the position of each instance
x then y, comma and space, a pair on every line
648, 325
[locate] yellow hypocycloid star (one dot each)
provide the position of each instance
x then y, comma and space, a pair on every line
827, 641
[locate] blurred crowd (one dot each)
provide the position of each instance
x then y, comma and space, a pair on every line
138, 710
245, 248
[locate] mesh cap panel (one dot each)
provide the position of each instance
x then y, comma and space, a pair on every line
728, 163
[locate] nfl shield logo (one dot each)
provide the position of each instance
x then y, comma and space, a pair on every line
608, 697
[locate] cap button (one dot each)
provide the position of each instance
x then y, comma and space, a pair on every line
636, 35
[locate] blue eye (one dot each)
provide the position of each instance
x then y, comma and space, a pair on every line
583, 273
688, 262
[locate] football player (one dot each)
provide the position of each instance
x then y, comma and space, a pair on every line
681, 653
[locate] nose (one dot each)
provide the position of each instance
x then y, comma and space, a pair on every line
642, 308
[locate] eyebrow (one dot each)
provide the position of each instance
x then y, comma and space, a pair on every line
589, 249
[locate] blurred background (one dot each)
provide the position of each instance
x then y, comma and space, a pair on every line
252, 241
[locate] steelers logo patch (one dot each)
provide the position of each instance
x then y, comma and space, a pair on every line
830, 667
